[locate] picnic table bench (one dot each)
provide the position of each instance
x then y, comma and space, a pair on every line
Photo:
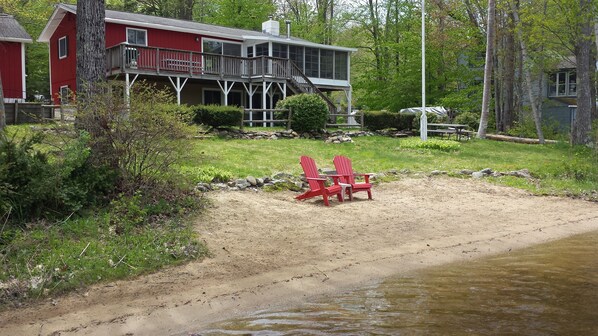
458, 130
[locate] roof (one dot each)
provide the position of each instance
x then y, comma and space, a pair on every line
12, 31
184, 26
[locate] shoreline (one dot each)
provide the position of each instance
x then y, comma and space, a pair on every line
270, 251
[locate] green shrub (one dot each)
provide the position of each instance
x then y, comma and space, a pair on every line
310, 112
140, 142
206, 174
433, 144
468, 118
526, 128
34, 184
218, 116
377, 120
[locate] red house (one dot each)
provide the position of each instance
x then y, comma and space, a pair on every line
12, 58
204, 64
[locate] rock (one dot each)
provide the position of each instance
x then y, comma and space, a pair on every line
477, 175
282, 176
252, 180
267, 179
466, 172
273, 137
438, 172
242, 184
524, 173
203, 187
486, 171
497, 174
219, 186
259, 182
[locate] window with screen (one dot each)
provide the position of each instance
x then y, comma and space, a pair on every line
63, 47
312, 58
137, 36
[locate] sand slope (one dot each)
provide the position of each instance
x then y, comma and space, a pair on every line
270, 250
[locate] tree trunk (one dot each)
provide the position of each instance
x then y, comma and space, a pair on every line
185, 9
509, 78
2, 111
91, 45
582, 124
528, 78
487, 71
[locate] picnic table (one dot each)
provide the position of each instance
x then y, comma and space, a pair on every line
460, 131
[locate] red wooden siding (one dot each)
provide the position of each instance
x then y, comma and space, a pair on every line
63, 71
11, 68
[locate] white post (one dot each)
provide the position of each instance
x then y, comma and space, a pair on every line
423, 123
264, 101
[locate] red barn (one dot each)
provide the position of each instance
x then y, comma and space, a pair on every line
12, 58
204, 64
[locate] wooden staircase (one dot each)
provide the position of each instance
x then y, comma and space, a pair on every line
298, 82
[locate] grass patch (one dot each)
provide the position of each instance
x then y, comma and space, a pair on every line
560, 168
47, 259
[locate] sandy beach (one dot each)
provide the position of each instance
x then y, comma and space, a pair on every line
271, 251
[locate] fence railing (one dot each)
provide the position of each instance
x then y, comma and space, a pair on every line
27, 113
268, 117
350, 120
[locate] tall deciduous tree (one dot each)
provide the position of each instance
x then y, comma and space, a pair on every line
528, 77
487, 70
586, 103
91, 45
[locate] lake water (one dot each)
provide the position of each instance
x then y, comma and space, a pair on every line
550, 289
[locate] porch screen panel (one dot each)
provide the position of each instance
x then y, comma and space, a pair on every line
326, 64
312, 58
340, 65
279, 50
261, 49
296, 56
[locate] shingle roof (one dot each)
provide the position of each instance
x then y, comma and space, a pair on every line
11, 30
185, 26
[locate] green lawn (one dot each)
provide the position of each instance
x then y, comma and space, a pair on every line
559, 168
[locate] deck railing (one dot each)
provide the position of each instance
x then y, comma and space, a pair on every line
124, 58
135, 59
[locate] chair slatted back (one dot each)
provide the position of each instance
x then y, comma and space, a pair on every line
343, 166
309, 168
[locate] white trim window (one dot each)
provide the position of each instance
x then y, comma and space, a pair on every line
219, 47
65, 95
63, 47
563, 84
137, 36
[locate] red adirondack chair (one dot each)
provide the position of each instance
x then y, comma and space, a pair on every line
345, 170
317, 185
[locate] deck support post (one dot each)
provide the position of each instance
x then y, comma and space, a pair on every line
226, 90
178, 87
128, 85
266, 87
251, 90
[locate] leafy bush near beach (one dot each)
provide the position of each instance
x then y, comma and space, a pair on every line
377, 120
218, 116
433, 144
102, 203
207, 174
310, 112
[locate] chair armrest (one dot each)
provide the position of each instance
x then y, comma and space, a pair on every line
316, 178
366, 176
